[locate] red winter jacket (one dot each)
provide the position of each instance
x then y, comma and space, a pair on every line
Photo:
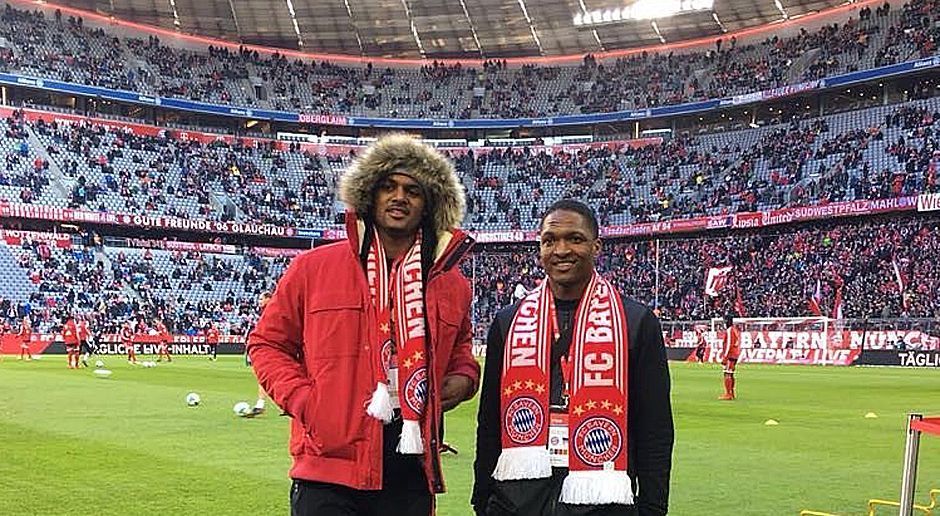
322, 312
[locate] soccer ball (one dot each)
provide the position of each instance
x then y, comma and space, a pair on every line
192, 399
99, 364
242, 409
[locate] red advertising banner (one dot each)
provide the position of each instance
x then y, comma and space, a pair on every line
736, 221
891, 340
16, 238
834, 347
31, 211
10, 344
111, 345
322, 119
485, 237
140, 129
837, 209
143, 338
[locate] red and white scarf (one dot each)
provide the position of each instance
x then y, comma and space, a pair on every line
597, 421
405, 292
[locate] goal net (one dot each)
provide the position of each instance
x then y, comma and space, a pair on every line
788, 340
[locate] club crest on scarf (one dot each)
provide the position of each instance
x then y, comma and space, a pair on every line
387, 352
524, 420
416, 390
597, 441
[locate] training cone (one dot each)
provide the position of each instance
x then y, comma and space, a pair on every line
771, 422
871, 415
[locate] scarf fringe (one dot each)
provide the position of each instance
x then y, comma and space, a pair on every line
411, 442
380, 406
523, 463
597, 487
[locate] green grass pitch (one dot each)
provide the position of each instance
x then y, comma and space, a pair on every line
74, 444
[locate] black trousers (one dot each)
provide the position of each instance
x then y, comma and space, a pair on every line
404, 488
322, 499
540, 498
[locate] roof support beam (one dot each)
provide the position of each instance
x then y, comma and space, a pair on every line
352, 22
414, 30
473, 29
293, 19
584, 10
525, 12
238, 30
176, 16
656, 29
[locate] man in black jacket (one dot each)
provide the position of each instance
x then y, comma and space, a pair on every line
511, 472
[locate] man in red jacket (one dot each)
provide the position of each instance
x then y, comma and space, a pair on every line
70, 338
730, 355
367, 341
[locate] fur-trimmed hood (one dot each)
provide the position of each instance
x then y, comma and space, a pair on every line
407, 155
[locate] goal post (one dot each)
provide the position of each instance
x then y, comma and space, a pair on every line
779, 332
789, 340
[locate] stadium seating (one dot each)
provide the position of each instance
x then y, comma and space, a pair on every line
64, 48
775, 272
107, 284
880, 152
873, 153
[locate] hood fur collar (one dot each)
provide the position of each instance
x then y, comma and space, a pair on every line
407, 155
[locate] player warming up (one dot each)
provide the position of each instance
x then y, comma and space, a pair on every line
70, 338
127, 338
84, 340
730, 354
163, 348
25, 335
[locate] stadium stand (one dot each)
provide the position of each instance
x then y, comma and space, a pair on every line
63, 48
882, 152
876, 153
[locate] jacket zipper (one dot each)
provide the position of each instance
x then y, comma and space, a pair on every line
449, 262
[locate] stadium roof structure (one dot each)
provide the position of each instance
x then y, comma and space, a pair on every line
437, 29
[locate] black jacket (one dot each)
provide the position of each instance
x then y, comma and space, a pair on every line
650, 423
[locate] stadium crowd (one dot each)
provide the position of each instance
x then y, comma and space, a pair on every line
884, 268
65, 48
881, 268
186, 290
877, 153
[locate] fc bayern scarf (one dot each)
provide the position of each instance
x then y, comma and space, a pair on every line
399, 304
597, 419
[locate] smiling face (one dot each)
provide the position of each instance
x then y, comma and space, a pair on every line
567, 251
398, 205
